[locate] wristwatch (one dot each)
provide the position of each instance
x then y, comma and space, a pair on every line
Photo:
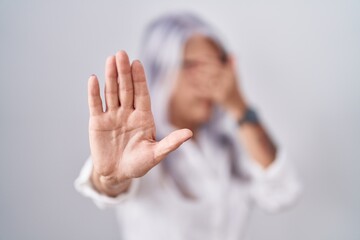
250, 116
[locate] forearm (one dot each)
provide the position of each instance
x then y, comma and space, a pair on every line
255, 138
257, 143
107, 186
252, 134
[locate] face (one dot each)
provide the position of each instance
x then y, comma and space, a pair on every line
191, 103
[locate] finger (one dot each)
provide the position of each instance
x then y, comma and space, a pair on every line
170, 143
141, 92
232, 63
111, 85
126, 88
94, 99
231, 71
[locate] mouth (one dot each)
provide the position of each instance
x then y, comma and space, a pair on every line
206, 102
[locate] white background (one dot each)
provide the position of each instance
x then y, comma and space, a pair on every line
299, 63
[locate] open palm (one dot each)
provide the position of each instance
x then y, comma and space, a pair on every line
122, 138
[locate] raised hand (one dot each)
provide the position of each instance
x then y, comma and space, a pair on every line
223, 89
122, 138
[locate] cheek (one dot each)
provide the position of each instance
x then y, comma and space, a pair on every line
191, 109
185, 92
188, 99
182, 101
188, 104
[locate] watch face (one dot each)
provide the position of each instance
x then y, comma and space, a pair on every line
250, 116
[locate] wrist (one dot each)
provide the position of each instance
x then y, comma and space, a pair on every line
237, 107
108, 185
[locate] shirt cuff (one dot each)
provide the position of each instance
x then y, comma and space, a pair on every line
276, 187
84, 186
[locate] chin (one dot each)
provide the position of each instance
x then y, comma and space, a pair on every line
203, 116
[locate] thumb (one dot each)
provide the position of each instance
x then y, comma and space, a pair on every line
170, 143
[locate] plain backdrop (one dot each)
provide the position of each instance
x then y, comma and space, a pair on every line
299, 63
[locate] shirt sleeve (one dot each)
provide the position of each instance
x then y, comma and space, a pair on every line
276, 187
84, 186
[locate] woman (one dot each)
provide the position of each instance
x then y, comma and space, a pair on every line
226, 163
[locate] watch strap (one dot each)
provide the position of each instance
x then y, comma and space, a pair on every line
250, 116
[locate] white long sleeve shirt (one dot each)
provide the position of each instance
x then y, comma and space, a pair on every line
154, 207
